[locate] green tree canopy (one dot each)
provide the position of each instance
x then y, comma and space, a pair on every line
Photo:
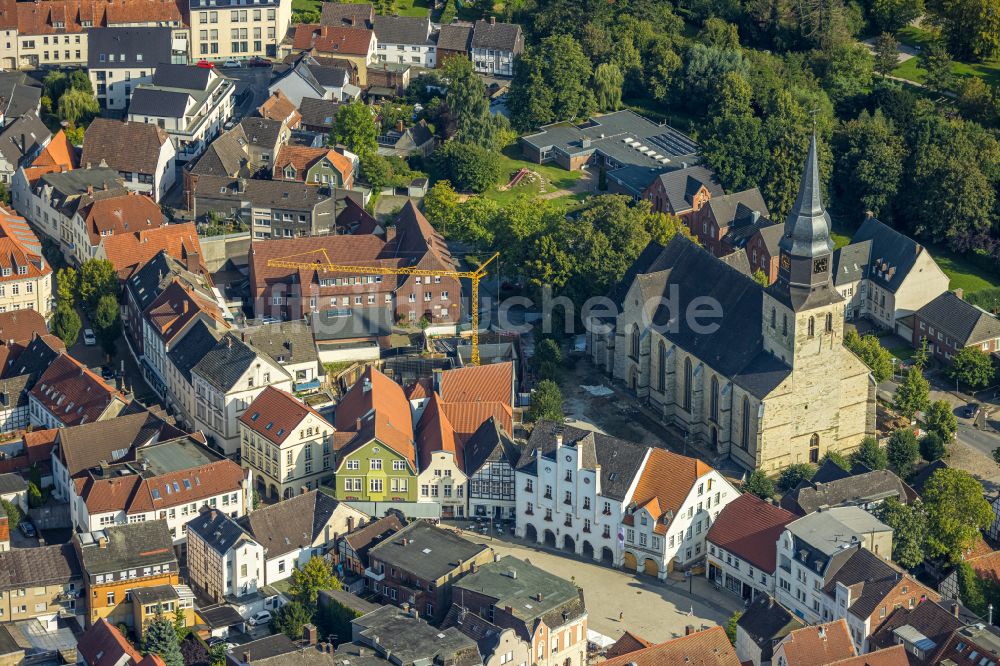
759, 484
870, 350
956, 512
159, 638
66, 324
355, 128
97, 278
902, 451
940, 420
973, 367
309, 579
870, 454
107, 322
469, 105
909, 530
932, 447
78, 107
891, 15
468, 167
971, 28
913, 395
793, 475
867, 171
608, 82
548, 359
886, 53
290, 618
546, 402
14, 513
551, 82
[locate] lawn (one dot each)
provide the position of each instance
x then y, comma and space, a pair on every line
921, 38
402, 7
552, 177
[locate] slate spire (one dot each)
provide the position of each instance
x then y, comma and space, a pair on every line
807, 227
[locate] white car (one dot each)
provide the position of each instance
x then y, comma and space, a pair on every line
262, 617
89, 338
230, 64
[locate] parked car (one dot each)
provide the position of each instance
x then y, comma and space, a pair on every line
89, 338
258, 62
972, 410
107, 373
27, 529
261, 617
232, 64
204, 64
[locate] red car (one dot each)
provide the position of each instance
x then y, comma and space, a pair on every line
204, 64
258, 62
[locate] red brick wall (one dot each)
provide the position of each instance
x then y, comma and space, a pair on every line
760, 258
897, 598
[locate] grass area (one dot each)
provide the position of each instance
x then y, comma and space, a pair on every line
921, 38
841, 232
552, 177
898, 347
403, 7
656, 111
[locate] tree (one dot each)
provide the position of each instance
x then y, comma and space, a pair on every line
838, 459
194, 652
913, 395
704, 68
308, 580
760, 277
54, 84
847, 73
940, 420
976, 100
66, 324
78, 107
956, 512
872, 353
938, 64
922, 355
441, 206
973, 367
468, 167
870, 454
376, 170
180, 624
551, 82
66, 281
869, 163
97, 278
720, 34
107, 322
355, 128
159, 638
971, 28
759, 484
34, 495
290, 618
731, 626
891, 15
548, 359
78, 80
546, 402
970, 588
14, 513
793, 475
468, 104
608, 81
909, 530
902, 451
932, 447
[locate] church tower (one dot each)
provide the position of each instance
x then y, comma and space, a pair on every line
803, 312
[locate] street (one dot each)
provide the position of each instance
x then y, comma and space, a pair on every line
656, 610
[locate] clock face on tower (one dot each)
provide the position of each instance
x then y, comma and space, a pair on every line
786, 261
820, 265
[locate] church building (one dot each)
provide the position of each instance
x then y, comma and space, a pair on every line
758, 374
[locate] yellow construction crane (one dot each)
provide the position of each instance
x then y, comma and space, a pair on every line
322, 263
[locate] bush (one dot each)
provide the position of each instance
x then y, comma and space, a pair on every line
793, 475
14, 513
35, 499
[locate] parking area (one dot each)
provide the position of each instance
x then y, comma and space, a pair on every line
656, 610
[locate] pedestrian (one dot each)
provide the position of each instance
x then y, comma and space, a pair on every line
621, 615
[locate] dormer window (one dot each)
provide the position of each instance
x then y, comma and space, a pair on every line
289, 172
6, 272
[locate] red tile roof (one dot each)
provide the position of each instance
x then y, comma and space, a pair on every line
21, 326
275, 414
58, 155
892, 656
103, 645
332, 39
20, 249
135, 495
819, 645
710, 647
43, 18
120, 214
628, 643
175, 308
482, 383
302, 158
130, 251
435, 433
668, 479
73, 393
749, 527
38, 444
279, 107
379, 403
466, 417
419, 390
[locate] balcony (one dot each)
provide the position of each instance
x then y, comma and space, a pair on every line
548, 519
586, 529
529, 512
547, 495
375, 575
307, 386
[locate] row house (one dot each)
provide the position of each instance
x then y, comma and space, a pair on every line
417, 567
644, 509
120, 58
314, 166
683, 192
491, 457
545, 611
246, 150
43, 582
155, 487
129, 252
353, 547
307, 78
950, 324
101, 218
25, 275
120, 558
405, 40
68, 393
103, 645
142, 154
356, 45
885, 276
266, 545
57, 156
494, 46
227, 29
741, 546
191, 104
287, 445
21, 140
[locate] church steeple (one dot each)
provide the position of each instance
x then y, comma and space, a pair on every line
806, 247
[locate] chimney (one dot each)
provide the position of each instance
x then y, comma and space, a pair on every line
193, 261
960, 293
400, 127
688, 630
90, 189
755, 217
357, 424
246, 657
390, 232
869, 215
102, 542
559, 437
493, 20
310, 634
185, 306
954, 608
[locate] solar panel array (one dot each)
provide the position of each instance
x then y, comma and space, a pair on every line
673, 142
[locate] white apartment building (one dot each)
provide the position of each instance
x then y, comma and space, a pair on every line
119, 59
286, 444
226, 380
191, 103
25, 276
405, 40
223, 560
224, 29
